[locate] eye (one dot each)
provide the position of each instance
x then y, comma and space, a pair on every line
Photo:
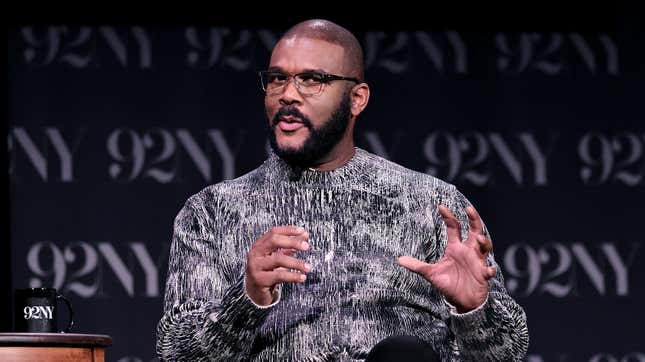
310, 79
277, 77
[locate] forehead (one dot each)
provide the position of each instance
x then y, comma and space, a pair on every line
299, 53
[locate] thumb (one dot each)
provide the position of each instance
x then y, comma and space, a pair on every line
414, 265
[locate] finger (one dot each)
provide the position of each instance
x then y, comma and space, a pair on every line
272, 278
490, 272
259, 246
282, 230
453, 229
276, 260
277, 241
484, 244
292, 230
288, 252
474, 221
288, 230
414, 265
285, 276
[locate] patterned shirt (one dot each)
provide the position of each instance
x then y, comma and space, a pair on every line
360, 218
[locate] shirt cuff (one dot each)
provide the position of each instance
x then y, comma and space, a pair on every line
275, 296
454, 312
238, 310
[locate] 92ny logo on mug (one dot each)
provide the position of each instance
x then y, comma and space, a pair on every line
39, 312
35, 310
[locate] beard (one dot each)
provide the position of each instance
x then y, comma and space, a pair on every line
320, 141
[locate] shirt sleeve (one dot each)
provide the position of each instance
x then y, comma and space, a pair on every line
207, 314
497, 330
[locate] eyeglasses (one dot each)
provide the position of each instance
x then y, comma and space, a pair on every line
307, 83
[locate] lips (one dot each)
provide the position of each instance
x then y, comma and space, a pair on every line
290, 123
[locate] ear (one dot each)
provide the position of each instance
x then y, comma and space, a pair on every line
360, 95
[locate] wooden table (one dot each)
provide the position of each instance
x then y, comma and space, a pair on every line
59, 347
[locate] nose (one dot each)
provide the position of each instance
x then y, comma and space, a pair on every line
290, 94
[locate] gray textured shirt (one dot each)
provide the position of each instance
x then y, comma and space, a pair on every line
360, 218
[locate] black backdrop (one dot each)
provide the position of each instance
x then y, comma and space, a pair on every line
111, 126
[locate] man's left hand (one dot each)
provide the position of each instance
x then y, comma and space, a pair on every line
461, 275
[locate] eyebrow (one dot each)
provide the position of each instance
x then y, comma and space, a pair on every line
278, 69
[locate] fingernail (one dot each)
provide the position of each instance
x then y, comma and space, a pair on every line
308, 267
304, 245
300, 229
303, 277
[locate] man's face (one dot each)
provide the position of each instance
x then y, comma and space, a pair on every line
304, 129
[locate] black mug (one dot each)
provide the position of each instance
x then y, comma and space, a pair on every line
36, 310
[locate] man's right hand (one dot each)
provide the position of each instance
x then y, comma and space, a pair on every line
269, 261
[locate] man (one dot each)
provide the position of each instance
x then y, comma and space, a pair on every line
327, 252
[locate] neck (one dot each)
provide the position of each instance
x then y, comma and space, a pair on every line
339, 155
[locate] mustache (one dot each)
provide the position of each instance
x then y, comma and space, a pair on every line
293, 112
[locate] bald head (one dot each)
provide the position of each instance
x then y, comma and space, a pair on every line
333, 33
